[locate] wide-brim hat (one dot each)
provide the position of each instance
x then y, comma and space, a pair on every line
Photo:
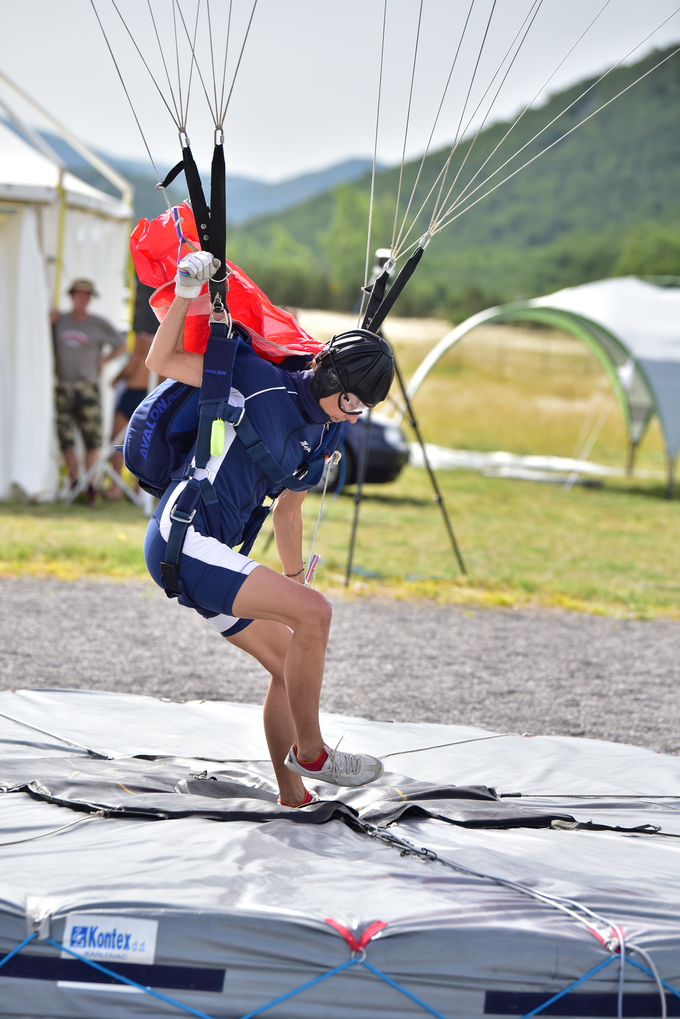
85, 285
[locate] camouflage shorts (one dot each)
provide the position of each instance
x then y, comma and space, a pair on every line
79, 406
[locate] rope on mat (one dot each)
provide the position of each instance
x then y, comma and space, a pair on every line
359, 958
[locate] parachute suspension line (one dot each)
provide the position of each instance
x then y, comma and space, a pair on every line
548, 148
532, 101
442, 175
165, 66
408, 118
461, 200
182, 124
212, 52
223, 111
532, 11
129, 99
194, 61
457, 137
331, 461
226, 52
434, 126
530, 18
375, 161
175, 120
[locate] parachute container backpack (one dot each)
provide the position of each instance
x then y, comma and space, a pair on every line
163, 429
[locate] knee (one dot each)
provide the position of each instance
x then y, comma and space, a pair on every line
318, 614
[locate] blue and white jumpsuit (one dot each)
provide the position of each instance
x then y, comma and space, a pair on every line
292, 425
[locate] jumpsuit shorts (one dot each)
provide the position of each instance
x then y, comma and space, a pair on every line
210, 572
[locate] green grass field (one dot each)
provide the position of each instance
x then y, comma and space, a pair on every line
604, 550
608, 550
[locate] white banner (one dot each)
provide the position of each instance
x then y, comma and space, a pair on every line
111, 938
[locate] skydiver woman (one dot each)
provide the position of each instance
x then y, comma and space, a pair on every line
276, 618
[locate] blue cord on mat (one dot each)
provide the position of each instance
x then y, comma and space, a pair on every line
130, 983
571, 987
291, 994
650, 974
317, 980
14, 951
403, 990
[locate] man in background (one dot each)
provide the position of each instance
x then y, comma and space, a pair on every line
79, 343
132, 383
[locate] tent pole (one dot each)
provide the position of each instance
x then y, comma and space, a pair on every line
671, 477
437, 494
630, 466
125, 188
61, 239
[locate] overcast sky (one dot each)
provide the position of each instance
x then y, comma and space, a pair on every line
305, 95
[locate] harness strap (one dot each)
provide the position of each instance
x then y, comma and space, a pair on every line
181, 515
218, 367
258, 452
213, 400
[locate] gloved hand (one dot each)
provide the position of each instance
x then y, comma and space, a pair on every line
193, 271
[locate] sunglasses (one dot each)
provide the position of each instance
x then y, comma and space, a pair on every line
351, 404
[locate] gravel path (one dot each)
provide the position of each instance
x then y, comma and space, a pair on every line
526, 671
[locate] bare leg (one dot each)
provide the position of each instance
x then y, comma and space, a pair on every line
91, 457
119, 423
268, 642
266, 595
71, 463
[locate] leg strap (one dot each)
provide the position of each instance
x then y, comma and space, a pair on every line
181, 515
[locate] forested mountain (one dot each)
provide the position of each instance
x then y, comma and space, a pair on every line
605, 201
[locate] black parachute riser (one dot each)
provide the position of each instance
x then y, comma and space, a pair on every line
211, 222
198, 203
218, 221
377, 295
387, 303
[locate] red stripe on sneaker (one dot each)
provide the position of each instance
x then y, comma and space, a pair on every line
315, 765
308, 799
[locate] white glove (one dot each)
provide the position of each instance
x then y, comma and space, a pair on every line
193, 271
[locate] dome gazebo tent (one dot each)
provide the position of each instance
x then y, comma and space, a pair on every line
631, 325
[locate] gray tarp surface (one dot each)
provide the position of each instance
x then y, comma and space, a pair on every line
242, 906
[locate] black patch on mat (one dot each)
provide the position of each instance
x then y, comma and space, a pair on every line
176, 978
635, 1006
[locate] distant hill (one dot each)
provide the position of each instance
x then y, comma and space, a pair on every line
605, 200
246, 197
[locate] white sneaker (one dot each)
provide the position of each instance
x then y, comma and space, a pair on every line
339, 768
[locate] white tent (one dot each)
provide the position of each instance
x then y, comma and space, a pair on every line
633, 328
53, 228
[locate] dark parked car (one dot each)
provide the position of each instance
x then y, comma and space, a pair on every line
387, 452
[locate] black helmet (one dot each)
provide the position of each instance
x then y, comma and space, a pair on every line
358, 362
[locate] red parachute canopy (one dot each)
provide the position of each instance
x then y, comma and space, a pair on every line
155, 246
